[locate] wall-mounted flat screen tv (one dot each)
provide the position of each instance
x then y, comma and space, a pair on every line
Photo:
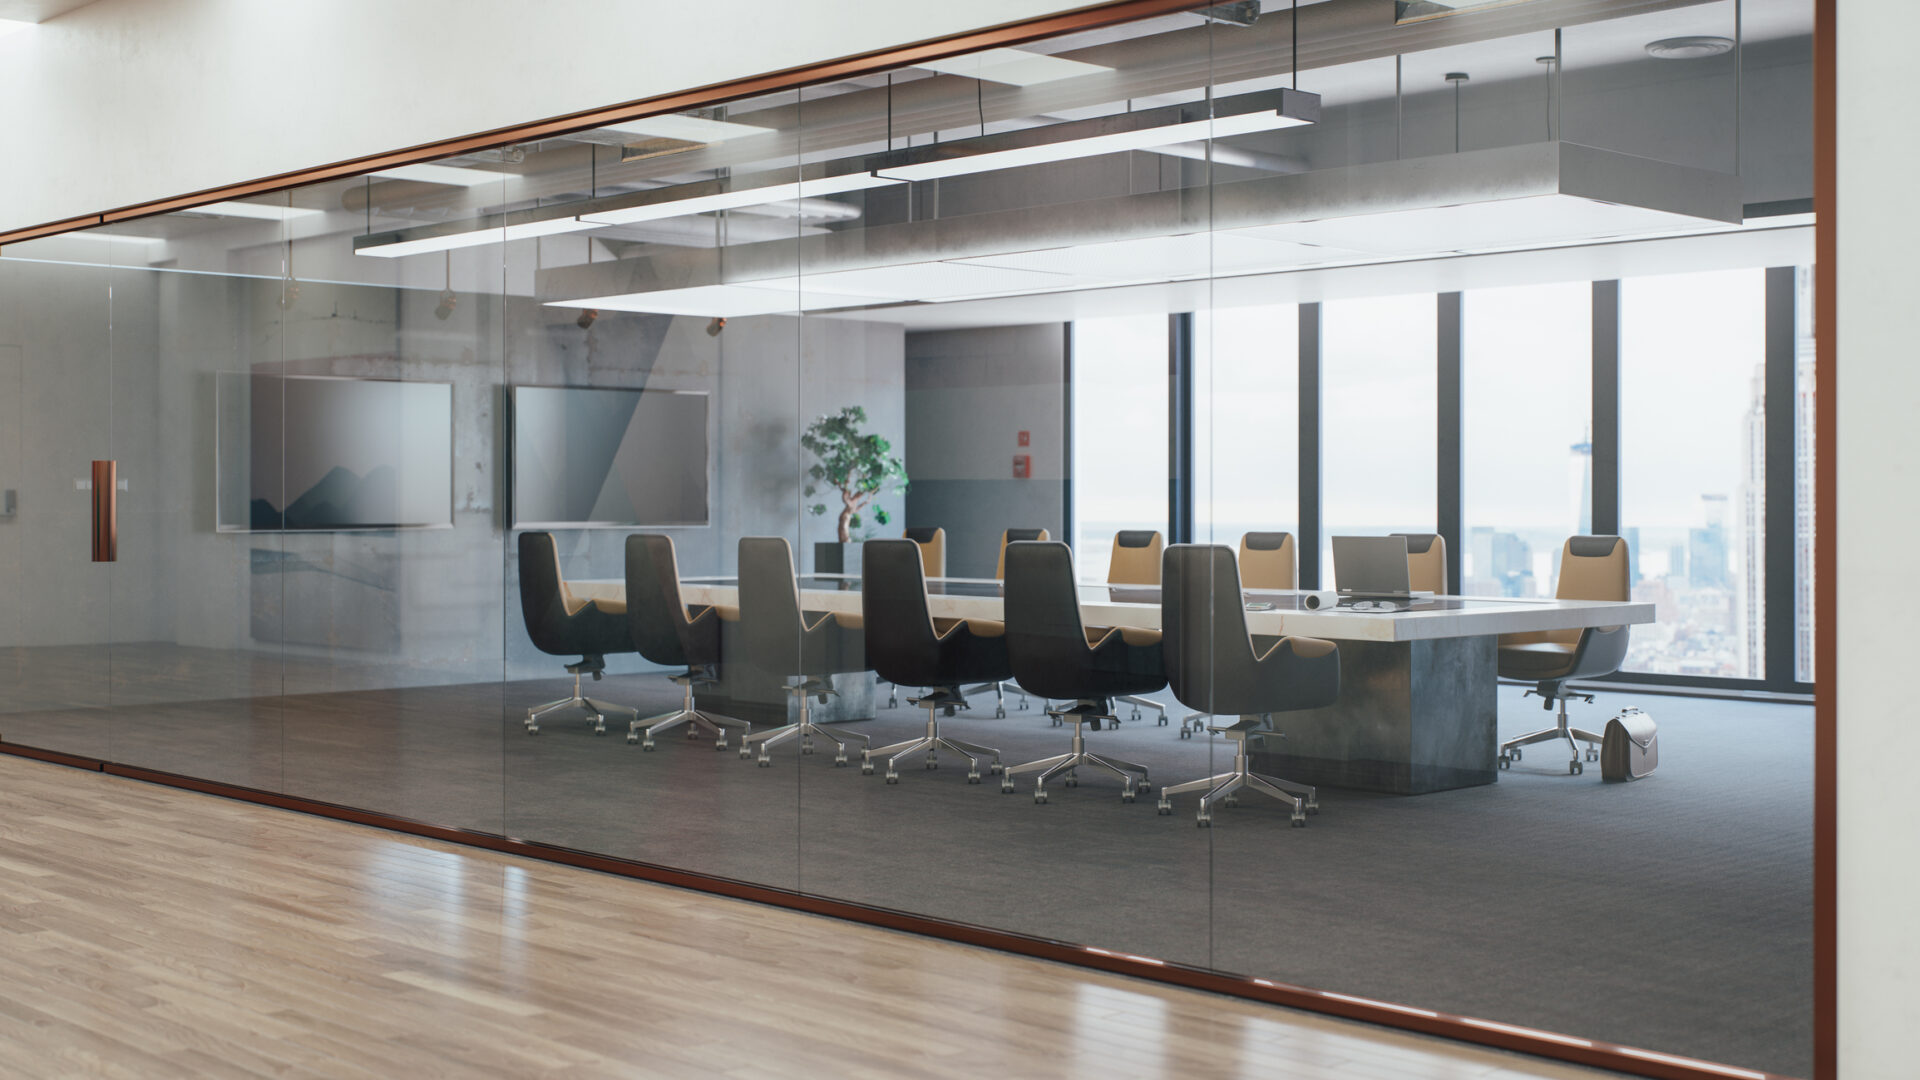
301, 453
588, 458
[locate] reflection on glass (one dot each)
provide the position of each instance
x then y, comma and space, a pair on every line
1804, 371
1527, 391
1246, 422
1378, 387
1693, 468
1119, 434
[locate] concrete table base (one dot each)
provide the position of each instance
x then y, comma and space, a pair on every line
1413, 717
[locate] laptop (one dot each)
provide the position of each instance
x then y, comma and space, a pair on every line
1372, 572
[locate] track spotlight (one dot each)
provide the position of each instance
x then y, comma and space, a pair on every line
448, 302
586, 318
714, 327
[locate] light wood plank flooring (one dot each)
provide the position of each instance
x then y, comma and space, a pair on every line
147, 932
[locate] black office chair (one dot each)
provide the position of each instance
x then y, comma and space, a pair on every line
932, 541
808, 646
1008, 536
906, 649
667, 631
561, 624
1217, 668
1055, 657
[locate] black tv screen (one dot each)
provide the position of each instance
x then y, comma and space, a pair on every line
302, 453
596, 457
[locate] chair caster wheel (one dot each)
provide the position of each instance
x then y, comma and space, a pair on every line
1592, 754
840, 761
1230, 802
932, 764
765, 763
721, 745
1203, 822
1165, 809
806, 748
1070, 782
1506, 762
973, 777
892, 777
1143, 785
1313, 808
745, 753
533, 729
996, 768
866, 768
1574, 768
647, 746
1514, 753
1040, 798
1163, 721
1006, 789
1000, 713
1126, 796
1300, 821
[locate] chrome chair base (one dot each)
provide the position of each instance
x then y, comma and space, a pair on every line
1562, 729
804, 729
999, 696
932, 742
1139, 703
594, 708
1047, 768
591, 706
1302, 798
695, 719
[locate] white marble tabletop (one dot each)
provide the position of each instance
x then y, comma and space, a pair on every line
1139, 606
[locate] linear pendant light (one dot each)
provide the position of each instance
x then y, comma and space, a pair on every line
1167, 125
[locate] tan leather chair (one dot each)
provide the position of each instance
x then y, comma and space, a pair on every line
1591, 568
1426, 562
1136, 557
1268, 561
933, 549
1000, 568
1136, 561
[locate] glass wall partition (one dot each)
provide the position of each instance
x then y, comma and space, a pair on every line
664, 491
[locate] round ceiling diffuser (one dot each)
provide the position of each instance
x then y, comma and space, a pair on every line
1689, 48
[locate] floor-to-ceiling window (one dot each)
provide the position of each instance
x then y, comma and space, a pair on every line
1119, 433
1378, 385
1526, 440
1246, 422
1692, 468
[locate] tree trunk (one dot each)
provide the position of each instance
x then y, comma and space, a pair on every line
848, 506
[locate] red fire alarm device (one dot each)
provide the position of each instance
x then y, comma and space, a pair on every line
1026, 438
1022, 466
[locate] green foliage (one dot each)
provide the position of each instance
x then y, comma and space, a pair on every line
856, 465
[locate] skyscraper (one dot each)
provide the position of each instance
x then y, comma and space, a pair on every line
1750, 608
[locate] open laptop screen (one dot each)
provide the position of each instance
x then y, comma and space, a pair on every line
1371, 566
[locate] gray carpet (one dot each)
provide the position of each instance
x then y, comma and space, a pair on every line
1673, 914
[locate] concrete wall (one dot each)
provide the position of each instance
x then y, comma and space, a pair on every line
969, 395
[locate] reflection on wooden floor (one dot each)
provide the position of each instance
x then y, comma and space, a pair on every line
154, 933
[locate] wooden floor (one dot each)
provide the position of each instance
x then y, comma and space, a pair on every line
147, 932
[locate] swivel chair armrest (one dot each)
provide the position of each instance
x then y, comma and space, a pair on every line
1099, 637
724, 613
980, 628
851, 622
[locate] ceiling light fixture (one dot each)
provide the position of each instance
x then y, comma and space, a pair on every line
492, 229
707, 196
1689, 48
1410, 11
686, 128
252, 211
1014, 67
443, 174
1269, 110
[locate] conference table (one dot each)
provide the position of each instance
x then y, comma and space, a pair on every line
1418, 688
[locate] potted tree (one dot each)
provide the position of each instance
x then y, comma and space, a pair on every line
860, 469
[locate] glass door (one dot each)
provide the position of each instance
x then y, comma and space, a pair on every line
55, 409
